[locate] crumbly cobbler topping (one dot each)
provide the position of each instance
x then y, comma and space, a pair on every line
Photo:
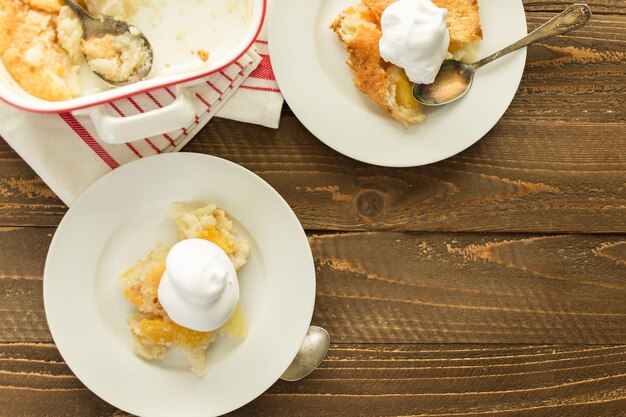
153, 331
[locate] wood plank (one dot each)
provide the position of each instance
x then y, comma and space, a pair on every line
577, 77
22, 258
551, 165
374, 380
597, 6
24, 198
467, 288
454, 380
411, 288
521, 178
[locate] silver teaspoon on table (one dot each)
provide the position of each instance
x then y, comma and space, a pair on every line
311, 353
455, 77
100, 27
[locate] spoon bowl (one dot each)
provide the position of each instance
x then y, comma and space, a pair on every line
453, 81
312, 352
101, 26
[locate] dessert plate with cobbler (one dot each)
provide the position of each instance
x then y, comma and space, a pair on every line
180, 284
346, 69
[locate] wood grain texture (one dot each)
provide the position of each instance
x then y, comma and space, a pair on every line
555, 162
451, 380
374, 380
597, 6
22, 257
24, 198
407, 288
385, 287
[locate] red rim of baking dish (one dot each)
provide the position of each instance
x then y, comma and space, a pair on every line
168, 84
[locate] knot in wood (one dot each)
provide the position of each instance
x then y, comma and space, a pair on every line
370, 203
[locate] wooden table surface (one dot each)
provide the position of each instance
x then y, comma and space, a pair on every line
490, 284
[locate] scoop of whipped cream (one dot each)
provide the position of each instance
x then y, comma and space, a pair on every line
415, 38
199, 289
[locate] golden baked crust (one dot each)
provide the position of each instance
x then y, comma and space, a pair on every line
364, 59
35, 59
50, 6
11, 15
358, 27
376, 8
463, 20
40, 39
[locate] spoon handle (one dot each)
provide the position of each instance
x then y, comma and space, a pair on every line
574, 17
78, 10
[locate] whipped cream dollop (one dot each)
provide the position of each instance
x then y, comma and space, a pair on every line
199, 289
415, 38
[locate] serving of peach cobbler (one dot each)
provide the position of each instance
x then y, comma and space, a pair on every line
361, 28
153, 330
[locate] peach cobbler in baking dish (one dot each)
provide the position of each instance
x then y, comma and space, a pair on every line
394, 43
187, 295
40, 42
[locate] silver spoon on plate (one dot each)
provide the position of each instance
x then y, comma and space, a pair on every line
455, 77
95, 28
312, 352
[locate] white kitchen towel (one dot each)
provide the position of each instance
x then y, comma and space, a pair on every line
66, 153
258, 99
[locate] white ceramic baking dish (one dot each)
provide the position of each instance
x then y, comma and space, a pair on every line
224, 28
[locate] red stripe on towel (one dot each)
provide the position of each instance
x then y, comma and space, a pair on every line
154, 100
170, 92
215, 88
264, 71
159, 105
152, 145
135, 151
226, 76
140, 110
86, 137
255, 88
131, 147
206, 103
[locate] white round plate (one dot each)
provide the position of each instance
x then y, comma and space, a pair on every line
117, 222
309, 64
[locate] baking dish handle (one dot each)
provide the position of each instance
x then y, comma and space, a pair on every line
180, 113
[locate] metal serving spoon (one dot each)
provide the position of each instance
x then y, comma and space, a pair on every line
313, 350
455, 77
97, 27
